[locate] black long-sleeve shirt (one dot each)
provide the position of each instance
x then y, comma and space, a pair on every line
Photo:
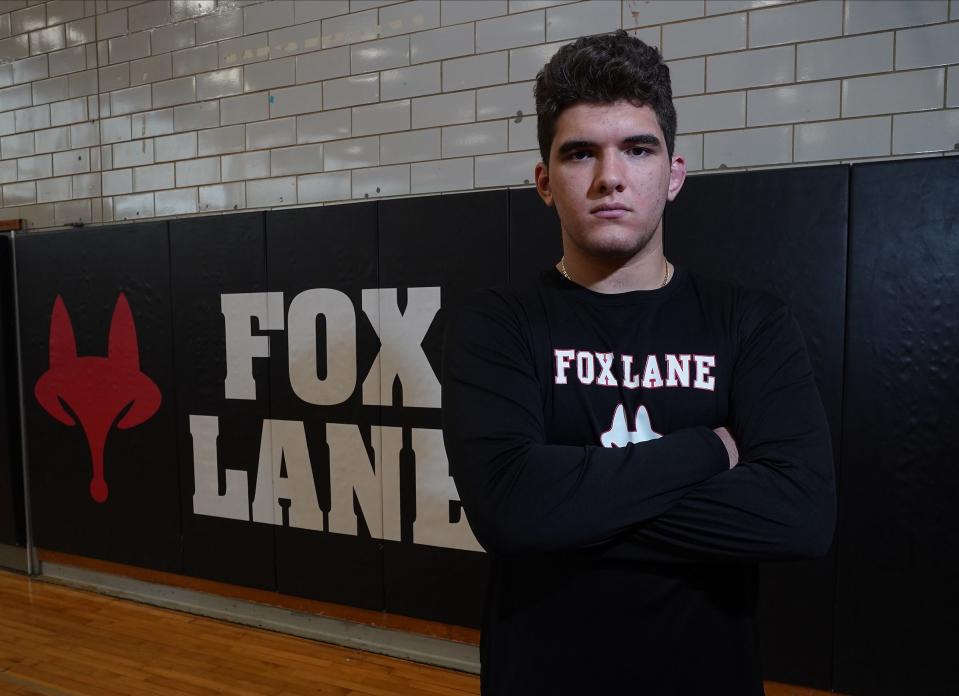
579, 430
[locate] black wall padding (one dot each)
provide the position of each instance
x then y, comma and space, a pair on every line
873, 283
137, 517
12, 520
457, 243
782, 231
209, 257
330, 247
899, 560
535, 236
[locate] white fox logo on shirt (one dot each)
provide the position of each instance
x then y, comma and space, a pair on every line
619, 434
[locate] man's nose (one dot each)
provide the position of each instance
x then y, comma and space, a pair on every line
609, 175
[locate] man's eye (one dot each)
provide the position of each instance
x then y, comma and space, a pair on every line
579, 155
638, 151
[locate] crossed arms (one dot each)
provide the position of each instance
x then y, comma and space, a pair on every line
670, 499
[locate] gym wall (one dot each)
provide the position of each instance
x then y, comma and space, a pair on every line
115, 110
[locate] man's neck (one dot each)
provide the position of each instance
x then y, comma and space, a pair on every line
648, 270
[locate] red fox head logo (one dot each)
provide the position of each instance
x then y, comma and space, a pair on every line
96, 389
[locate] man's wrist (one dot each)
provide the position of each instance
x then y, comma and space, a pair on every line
718, 452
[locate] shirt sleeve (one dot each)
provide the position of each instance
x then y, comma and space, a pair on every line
779, 502
522, 495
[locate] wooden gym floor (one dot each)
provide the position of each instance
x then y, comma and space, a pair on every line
56, 640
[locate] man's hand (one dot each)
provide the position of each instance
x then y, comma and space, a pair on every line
730, 444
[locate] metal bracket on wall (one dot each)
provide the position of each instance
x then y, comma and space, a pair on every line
32, 563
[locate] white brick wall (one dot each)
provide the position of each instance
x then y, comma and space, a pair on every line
114, 110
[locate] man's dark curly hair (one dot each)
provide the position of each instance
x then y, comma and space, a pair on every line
602, 69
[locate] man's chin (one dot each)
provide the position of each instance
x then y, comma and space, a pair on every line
616, 248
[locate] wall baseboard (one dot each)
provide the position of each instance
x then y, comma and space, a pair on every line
13, 557
432, 651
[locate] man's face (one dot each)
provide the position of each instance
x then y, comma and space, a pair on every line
609, 177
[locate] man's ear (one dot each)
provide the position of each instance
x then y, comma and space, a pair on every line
677, 175
542, 184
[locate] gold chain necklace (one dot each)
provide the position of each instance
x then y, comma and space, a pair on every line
562, 268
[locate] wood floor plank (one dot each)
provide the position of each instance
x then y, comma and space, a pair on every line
60, 641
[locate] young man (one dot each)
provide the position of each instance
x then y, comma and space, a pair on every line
628, 439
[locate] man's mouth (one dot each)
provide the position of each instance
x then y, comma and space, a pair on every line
610, 211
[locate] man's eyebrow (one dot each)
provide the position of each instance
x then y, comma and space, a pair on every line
639, 139
571, 145
643, 139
